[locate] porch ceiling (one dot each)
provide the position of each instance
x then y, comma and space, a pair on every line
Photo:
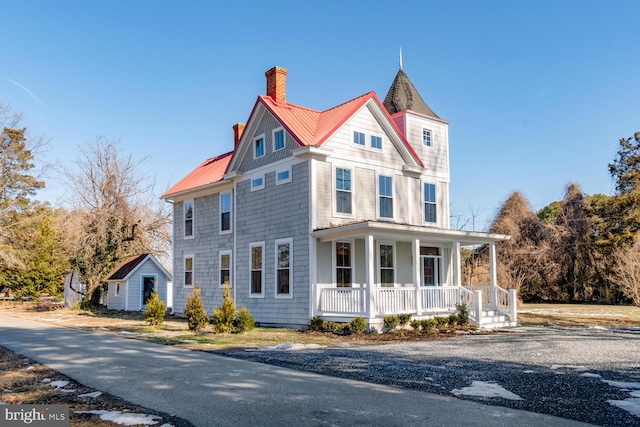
403, 232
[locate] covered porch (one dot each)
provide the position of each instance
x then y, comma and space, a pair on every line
380, 269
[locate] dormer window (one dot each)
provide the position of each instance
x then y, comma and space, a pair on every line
426, 137
278, 139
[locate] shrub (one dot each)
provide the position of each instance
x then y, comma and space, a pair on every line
155, 311
194, 311
404, 318
428, 324
453, 319
463, 314
441, 321
224, 316
328, 326
316, 323
359, 324
415, 324
390, 322
244, 321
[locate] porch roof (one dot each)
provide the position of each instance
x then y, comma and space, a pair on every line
404, 232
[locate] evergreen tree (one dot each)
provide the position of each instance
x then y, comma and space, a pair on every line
224, 316
194, 311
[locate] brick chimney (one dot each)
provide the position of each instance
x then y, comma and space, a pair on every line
277, 84
238, 128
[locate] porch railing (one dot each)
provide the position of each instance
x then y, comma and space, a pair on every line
395, 300
343, 300
439, 298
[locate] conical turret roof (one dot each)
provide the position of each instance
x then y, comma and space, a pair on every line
403, 96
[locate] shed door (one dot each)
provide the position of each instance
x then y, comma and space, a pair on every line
148, 285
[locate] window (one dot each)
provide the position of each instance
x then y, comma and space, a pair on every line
385, 192
257, 261
258, 147
343, 190
257, 183
283, 267
283, 176
344, 277
188, 270
376, 142
358, 138
117, 289
225, 211
426, 137
429, 203
188, 218
278, 139
387, 273
225, 268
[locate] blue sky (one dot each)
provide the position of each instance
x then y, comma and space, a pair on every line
538, 93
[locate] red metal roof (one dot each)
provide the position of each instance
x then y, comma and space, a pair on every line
212, 170
305, 125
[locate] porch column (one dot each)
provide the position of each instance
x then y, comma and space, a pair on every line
369, 274
416, 274
493, 276
457, 280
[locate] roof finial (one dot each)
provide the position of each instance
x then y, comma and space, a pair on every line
401, 58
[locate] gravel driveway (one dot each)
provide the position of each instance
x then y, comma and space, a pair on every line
585, 374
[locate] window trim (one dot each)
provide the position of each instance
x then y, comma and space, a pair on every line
220, 255
155, 286
286, 180
184, 218
430, 144
379, 198
379, 264
255, 147
184, 270
373, 135
251, 269
273, 139
424, 202
364, 138
230, 211
335, 190
257, 187
278, 242
334, 262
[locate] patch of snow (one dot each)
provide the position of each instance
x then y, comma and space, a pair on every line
133, 333
166, 425
93, 394
630, 405
288, 346
46, 380
622, 384
6, 390
30, 368
58, 384
590, 375
528, 371
189, 341
67, 390
486, 389
102, 328
128, 419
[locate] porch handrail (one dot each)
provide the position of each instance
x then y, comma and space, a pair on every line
470, 299
395, 300
343, 300
486, 296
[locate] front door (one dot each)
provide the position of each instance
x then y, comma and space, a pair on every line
430, 271
148, 286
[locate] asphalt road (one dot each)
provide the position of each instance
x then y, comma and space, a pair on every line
211, 390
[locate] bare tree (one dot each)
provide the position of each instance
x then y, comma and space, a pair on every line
115, 214
626, 271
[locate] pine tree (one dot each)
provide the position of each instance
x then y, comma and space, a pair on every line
224, 316
155, 311
194, 311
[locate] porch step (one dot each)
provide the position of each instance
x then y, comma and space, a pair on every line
492, 319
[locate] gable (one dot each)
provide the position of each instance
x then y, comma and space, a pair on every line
130, 265
389, 147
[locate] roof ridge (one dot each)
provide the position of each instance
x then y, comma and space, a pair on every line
348, 101
289, 104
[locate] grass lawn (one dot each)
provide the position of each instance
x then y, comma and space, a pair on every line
579, 315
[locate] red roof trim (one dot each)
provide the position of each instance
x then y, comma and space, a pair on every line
346, 116
279, 118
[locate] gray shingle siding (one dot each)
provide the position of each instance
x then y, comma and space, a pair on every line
275, 212
266, 126
205, 247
